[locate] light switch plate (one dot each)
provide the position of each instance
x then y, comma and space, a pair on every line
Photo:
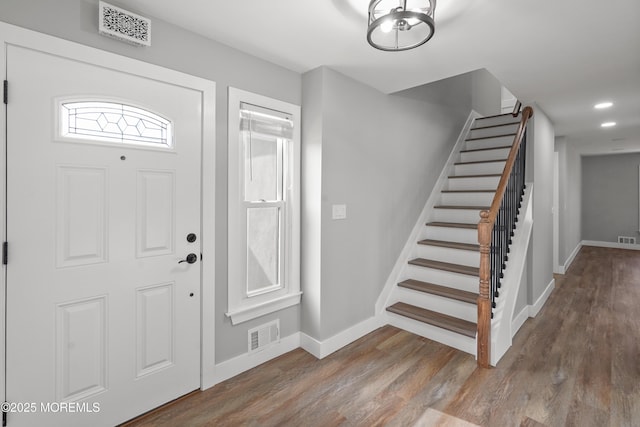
339, 212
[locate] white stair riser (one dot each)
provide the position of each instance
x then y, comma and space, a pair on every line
478, 144
460, 235
493, 131
456, 215
479, 168
448, 306
496, 120
466, 199
474, 183
461, 342
450, 255
479, 156
463, 282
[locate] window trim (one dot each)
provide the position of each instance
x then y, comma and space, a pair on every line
240, 306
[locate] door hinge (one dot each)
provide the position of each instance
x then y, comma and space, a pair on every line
6, 92
5, 253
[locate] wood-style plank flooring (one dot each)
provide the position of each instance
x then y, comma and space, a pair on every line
576, 364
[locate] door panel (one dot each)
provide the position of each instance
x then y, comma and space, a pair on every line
98, 308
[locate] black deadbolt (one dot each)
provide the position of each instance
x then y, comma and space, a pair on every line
191, 237
191, 258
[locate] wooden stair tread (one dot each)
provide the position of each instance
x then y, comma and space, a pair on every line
480, 161
452, 245
443, 291
478, 138
500, 115
471, 208
453, 225
446, 266
440, 320
492, 175
495, 126
485, 149
468, 191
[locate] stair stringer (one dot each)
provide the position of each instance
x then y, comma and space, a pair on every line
501, 325
398, 272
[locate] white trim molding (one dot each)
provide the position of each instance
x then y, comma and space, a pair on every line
251, 312
572, 256
239, 364
321, 349
535, 308
612, 245
518, 320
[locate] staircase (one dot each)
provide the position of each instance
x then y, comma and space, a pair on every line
438, 291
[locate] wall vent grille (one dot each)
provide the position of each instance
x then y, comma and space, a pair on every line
124, 25
264, 336
627, 240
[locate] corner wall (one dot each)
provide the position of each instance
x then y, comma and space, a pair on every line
379, 155
540, 145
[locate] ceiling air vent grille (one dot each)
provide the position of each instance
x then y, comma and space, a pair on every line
627, 240
263, 336
124, 25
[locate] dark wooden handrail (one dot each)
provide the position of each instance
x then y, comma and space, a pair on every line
485, 231
516, 108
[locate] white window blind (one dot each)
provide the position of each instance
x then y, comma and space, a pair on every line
265, 121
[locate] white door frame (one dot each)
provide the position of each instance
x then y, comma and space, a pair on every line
12, 35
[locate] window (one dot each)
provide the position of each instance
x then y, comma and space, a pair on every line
264, 205
114, 122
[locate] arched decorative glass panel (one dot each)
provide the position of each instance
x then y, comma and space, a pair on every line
114, 122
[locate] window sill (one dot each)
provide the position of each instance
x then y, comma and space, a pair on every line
243, 314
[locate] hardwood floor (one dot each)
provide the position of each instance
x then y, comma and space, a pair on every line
576, 364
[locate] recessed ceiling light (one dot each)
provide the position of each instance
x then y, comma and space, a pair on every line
603, 105
608, 124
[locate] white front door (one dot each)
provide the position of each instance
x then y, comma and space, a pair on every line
103, 191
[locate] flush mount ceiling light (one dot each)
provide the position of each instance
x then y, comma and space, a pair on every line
608, 124
396, 25
603, 105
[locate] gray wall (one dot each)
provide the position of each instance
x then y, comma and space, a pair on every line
610, 196
179, 49
380, 155
540, 155
478, 90
570, 151
486, 93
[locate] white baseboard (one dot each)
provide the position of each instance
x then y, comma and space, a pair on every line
518, 320
321, 349
537, 306
567, 263
614, 245
531, 310
232, 367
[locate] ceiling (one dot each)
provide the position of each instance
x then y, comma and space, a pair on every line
565, 55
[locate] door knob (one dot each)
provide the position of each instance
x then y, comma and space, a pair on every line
191, 258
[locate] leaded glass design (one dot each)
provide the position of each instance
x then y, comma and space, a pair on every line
114, 122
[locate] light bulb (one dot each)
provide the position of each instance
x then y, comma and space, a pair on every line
386, 26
